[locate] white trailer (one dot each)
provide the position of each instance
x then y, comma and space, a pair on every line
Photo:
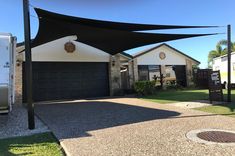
7, 71
221, 64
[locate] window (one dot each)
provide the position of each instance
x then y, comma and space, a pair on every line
143, 72
233, 66
224, 58
153, 68
148, 72
154, 72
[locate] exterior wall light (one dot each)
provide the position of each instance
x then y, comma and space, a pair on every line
113, 60
18, 62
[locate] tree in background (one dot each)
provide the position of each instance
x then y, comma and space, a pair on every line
224, 43
220, 50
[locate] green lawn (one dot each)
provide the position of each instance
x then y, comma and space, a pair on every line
228, 109
36, 145
191, 95
173, 96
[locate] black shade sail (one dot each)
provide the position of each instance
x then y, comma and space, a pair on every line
111, 37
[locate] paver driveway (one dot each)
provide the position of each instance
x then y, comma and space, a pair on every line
130, 126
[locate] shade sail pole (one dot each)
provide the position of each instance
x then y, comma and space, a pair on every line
28, 65
229, 63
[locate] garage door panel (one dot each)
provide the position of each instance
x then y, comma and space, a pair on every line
58, 80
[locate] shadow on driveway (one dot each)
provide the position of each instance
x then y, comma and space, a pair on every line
72, 120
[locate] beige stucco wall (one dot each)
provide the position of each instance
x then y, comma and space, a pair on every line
18, 79
135, 68
114, 75
54, 52
163, 72
152, 57
189, 72
131, 74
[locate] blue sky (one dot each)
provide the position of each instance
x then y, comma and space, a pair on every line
181, 12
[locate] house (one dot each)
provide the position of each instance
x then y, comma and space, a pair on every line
82, 58
67, 69
164, 64
58, 74
221, 64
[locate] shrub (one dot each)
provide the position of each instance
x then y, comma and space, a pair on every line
144, 87
174, 87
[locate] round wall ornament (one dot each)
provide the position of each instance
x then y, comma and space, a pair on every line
162, 55
69, 47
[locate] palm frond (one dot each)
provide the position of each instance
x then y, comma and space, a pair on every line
222, 42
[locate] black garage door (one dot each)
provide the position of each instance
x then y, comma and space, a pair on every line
58, 81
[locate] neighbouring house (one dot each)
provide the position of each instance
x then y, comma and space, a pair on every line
67, 69
221, 64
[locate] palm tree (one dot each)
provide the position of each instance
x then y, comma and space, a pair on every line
225, 43
219, 51
215, 53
